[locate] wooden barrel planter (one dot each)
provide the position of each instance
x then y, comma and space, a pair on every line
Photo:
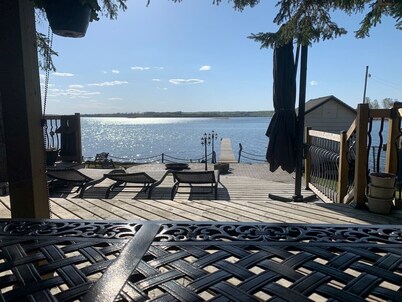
381, 192
383, 180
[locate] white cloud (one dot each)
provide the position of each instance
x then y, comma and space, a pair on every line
114, 83
104, 71
76, 86
313, 83
72, 93
114, 99
205, 68
186, 81
92, 93
156, 80
139, 68
115, 71
63, 74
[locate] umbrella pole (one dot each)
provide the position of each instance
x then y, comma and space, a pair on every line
300, 128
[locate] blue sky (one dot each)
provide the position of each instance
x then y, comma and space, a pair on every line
195, 56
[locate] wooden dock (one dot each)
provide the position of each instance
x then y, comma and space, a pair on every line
242, 196
226, 152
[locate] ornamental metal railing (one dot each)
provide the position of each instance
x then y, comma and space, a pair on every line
330, 156
63, 133
338, 165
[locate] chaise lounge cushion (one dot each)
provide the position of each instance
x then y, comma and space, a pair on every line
191, 178
148, 183
70, 176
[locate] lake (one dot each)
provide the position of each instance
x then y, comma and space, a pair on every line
130, 139
133, 139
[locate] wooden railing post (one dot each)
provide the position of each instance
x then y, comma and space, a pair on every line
343, 168
393, 132
69, 131
78, 143
21, 111
361, 155
307, 161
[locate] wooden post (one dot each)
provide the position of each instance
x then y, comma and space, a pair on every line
343, 168
78, 143
392, 148
307, 161
70, 138
21, 106
361, 155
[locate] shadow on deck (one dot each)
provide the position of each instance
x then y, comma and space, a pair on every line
242, 196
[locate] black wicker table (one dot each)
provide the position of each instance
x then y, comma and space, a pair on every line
60, 260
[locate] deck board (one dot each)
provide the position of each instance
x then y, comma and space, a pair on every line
242, 196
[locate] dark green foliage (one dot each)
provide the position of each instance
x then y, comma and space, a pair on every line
43, 48
386, 103
308, 21
109, 7
301, 21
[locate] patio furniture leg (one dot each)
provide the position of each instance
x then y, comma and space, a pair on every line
174, 190
150, 191
155, 184
84, 186
111, 188
145, 188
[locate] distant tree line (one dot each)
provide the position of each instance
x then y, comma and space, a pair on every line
385, 103
221, 114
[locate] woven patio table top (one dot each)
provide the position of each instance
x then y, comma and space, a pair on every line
87, 260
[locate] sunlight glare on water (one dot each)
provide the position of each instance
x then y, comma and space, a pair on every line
136, 138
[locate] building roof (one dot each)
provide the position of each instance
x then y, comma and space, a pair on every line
315, 103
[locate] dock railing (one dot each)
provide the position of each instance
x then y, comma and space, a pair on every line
337, 165
253, 157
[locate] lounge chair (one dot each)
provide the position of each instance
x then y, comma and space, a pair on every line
146, 182
72, 176
198, 178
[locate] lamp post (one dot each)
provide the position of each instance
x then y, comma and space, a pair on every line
214, 136
206, 140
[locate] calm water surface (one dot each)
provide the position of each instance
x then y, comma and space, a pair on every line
136, 138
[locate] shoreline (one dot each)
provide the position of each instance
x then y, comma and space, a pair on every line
179, 114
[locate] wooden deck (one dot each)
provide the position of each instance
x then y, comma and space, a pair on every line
242, 197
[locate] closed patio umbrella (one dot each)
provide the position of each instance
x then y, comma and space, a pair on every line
282, 129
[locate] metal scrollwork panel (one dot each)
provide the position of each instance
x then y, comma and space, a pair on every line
86, 229
278, 233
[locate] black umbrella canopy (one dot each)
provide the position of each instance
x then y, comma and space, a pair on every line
282, 129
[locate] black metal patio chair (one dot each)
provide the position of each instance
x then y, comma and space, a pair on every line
103, 161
